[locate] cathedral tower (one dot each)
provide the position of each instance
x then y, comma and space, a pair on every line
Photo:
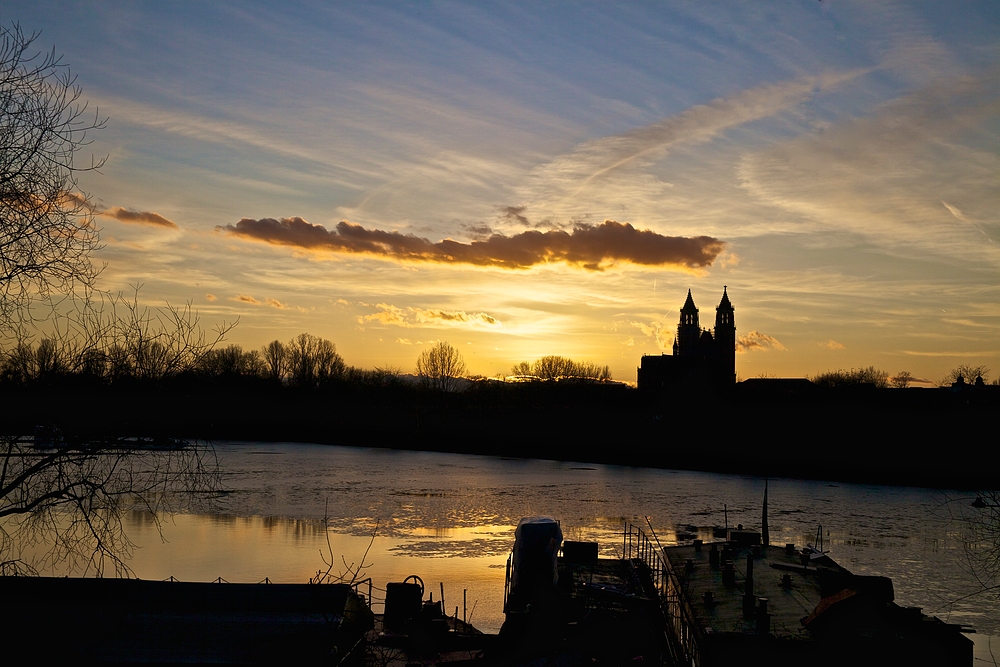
688, 330
725, 338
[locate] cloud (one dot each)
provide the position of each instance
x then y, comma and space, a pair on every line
699, 123
970, 355
457, 316
409, 317
388, 315
663, 334
605, 173
245, 298
274, 303
514, 214
404, 341
211, 297
833, 345
954, 210
916, 174
593, 247
78, 199
138, 217
755, 340
478, 232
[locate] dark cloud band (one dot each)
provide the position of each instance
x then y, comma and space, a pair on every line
589, 246
139, 217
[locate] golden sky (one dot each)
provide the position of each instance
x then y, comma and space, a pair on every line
544, 178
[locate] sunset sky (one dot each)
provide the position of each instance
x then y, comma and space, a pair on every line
528, 179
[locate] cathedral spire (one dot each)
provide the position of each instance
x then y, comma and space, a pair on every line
689, 312
725, 303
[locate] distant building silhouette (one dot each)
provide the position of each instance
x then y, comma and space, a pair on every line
700, 357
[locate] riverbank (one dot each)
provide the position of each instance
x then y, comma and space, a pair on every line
917, 437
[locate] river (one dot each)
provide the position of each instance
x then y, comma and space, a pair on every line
450, 519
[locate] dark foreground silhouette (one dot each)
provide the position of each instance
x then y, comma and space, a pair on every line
931, 437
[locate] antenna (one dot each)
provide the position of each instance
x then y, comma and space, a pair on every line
765, 535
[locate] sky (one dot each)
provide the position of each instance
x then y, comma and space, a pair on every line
527, 179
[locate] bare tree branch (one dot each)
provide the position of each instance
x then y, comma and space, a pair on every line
47, 227
67, 504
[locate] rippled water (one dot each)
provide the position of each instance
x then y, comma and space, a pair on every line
450, 519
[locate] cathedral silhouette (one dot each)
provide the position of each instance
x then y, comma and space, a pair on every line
701, 358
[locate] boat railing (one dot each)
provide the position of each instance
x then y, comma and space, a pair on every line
682, 629
357, 589
506, 582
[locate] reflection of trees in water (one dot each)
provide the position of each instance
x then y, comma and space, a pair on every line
982, 541
69, 505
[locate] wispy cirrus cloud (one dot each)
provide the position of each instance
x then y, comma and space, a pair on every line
593, 247
586, 179
958, 354
409, 317
698, 124
881, 176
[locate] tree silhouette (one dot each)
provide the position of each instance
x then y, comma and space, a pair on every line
853, 377
554, 367
312, 361
114, 338
47, 230
275, 360
967, 372
441, 367
901, 380
981, 540
67, 503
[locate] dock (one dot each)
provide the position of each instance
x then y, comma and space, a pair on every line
741, 600
732, 601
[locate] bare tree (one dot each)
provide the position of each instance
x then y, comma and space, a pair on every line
312, 361
901, 380
967, 372
47, 228
114, 338
441, 366
275, 360
555, 367
377, 378
853, 377
981, 540
232, 361
522, 369
66, 504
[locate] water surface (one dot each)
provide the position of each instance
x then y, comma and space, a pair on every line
450, 519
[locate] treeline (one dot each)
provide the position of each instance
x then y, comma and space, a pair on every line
556, 367
855, 376
871, 376
113, 341
117, 342
306, 361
